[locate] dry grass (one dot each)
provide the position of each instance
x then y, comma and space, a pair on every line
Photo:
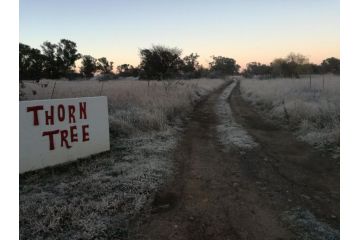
311, 108
97, 198
133, 105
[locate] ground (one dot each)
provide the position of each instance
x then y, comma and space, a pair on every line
279, 188
224, 172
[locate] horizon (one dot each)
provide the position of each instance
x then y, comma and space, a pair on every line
243, 30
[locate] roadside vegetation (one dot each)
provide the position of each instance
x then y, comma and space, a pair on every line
134, 106
98, 197
310, 106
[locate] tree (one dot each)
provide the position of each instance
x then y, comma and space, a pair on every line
331, 65
292, 66
88, 67
256, 69
127, 70
190, 62
202, 71
104, 66
298, 64
66, 55
51, 67
59, 58
160, 62
123, 68
224, 66
31, 63
315, 68
297, 58
191, 66
279, 67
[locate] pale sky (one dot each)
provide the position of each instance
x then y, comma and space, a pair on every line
246, 30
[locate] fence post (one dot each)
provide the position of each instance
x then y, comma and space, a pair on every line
101, 87
53, 90
323, 81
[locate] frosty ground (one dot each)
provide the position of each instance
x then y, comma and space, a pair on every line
265, 185
309, 106
221, 171
98, 197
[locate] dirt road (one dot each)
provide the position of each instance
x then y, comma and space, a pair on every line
280, 189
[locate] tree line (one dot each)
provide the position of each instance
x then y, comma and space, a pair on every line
292, 66
156, 63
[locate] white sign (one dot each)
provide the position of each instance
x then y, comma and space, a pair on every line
61, 130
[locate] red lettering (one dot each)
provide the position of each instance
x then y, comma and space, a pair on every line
50, 117
73, 134
72, 114
83, 110
51, 137
34, 109
85, 134
61, 112
64, 134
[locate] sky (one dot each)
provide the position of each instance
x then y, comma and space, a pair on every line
246, 30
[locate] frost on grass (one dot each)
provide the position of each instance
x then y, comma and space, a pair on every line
230, 132
96, 198
307, 227
134, 105
309, 106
